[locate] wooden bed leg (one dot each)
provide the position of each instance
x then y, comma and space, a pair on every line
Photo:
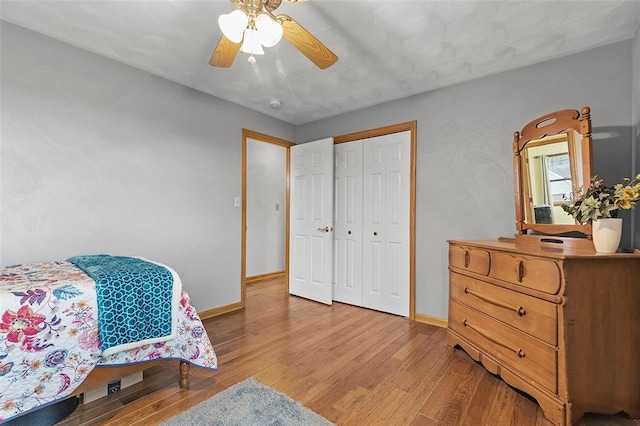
184, 374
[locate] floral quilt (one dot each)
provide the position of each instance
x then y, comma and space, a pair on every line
49, 339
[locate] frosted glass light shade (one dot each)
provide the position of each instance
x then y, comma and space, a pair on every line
269, 31
233, 25
251, 43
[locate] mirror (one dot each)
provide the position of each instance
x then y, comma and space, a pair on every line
552, 162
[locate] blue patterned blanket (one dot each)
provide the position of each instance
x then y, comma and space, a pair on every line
137, 300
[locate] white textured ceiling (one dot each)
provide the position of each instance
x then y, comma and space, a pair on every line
387, 49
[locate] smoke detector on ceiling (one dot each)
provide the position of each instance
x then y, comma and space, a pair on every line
275, 103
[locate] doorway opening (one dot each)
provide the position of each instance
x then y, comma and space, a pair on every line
265, 207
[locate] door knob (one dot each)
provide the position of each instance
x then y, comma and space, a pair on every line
325, 229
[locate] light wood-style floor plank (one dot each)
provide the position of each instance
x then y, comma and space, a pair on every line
351, 365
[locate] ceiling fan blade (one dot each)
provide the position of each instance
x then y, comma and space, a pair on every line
306, 43
225, 53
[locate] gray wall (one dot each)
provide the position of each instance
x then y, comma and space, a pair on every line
464, 158
266, 207
99, 157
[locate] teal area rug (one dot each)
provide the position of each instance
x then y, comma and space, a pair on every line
248, 403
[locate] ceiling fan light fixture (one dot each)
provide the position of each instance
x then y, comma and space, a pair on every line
233, 25
269, 31
253, 25
252, 43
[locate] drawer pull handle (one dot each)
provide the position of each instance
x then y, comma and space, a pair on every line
520, 271
519, 351
520, 310
467, 258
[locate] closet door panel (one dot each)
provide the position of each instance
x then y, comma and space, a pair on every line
347, 233
374, 193
374, 274
386, 222
397, 222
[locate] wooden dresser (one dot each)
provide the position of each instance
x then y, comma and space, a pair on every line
559, 323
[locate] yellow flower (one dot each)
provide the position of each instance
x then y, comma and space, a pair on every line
623, 203
627, 194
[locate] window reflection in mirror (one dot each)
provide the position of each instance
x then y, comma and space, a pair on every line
558, 177
551, 178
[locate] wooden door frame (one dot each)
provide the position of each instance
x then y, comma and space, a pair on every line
261, 137
386, 130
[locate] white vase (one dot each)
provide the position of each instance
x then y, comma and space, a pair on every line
606, 234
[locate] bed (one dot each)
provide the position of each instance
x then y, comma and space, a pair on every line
69, 326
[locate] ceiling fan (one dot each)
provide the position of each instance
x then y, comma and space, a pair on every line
253, 25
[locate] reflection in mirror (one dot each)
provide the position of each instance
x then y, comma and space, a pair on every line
552, 162
551, 179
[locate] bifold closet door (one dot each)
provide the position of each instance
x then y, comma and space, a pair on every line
386, 222
347, 223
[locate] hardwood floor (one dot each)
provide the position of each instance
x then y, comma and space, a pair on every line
353, 366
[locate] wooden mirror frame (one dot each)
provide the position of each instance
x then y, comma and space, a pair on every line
555, 123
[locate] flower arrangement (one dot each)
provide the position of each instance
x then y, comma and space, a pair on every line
602, 201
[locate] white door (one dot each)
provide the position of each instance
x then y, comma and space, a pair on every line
347, 223
386, 222
311, 217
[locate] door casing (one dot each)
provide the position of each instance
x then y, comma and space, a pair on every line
249, 134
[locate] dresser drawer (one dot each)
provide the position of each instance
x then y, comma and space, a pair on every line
539, 274
529, 314
523, 353
470, 259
